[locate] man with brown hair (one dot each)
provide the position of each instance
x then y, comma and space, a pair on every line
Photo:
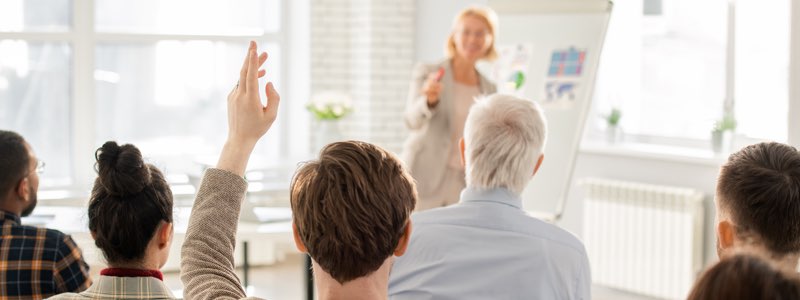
758, 202
351, 215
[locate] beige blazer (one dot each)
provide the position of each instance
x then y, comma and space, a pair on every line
426, 149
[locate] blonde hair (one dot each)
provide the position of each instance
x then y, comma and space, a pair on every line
488, 16
503, 136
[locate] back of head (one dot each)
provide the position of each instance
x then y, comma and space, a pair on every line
504, 136
351, 207
14, 161
759, 188
745, 277
129, 200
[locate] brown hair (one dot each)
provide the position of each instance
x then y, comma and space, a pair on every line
760, 187
488, 16
128, 202
745, 276
351, 207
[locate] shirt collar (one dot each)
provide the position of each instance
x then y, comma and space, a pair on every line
125, 272
498, 195
9, 216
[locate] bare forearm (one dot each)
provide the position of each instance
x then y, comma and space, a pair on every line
234, 156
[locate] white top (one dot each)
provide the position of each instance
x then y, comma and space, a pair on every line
463, 98
487, 247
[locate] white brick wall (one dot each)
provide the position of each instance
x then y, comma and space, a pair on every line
365, 48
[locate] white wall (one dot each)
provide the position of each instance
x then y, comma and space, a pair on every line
365, 48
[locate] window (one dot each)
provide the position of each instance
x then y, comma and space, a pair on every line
762, 68
159, 78
35, 79
665, 65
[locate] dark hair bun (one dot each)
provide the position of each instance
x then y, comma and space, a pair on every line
121, 169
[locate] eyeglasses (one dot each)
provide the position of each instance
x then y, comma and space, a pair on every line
40, 167
478, 34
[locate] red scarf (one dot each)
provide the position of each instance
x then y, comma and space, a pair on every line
122, 272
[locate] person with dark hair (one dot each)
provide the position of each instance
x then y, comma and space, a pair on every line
34, 262
130, 218
746, 277
758, 202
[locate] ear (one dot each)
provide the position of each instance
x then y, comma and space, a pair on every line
538, 164
402, 245
297, 241
23, 188
725, 234
461, 148
164, 235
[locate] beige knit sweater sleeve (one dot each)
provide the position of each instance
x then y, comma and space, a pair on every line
207, 269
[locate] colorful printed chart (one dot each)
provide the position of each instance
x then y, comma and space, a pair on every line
566, 62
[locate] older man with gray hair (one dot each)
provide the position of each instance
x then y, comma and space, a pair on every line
486, 246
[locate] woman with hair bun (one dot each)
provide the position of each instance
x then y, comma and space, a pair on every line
130, 218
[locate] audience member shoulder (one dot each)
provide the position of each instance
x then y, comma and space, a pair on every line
567, 238
31, 230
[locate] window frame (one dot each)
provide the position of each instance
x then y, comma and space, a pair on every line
728, 103
83, 39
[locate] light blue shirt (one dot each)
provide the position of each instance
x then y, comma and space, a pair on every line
487, 247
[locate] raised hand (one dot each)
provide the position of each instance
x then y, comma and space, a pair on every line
248, 118
432, 87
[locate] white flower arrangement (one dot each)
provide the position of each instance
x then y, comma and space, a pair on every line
330, 105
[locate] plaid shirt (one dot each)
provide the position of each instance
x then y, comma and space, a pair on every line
38, 262
112, 287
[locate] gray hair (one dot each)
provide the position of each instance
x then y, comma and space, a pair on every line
504, 136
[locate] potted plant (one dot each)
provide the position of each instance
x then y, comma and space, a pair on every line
722, 134
613, 130
328, 108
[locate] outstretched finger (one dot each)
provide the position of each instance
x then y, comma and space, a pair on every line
243, 72
273, 101
252, 72
262, 58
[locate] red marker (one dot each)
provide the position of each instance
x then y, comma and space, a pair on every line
440, 74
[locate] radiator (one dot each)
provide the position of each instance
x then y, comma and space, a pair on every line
643, 238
